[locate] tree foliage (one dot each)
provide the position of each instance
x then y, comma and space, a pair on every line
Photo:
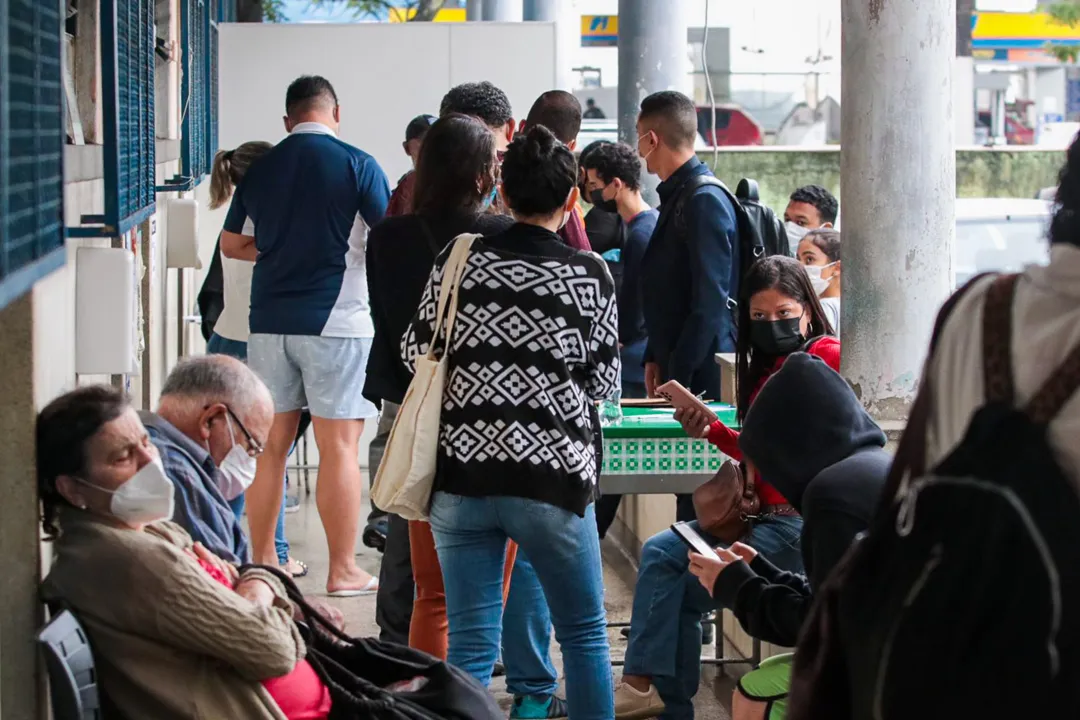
425, 10
1067, 13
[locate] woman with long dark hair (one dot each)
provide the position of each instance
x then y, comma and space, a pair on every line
534, 345
779, 314
455, 180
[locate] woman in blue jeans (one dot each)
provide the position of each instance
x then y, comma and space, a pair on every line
779, 314
231, 328
533, 345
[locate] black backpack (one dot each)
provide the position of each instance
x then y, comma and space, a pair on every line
760, 231
373, 680
963, 601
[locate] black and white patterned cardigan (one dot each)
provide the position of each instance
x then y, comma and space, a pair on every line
535, 343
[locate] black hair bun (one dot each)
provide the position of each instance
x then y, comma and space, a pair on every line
538, 173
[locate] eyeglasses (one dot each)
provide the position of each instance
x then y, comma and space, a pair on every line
254, 447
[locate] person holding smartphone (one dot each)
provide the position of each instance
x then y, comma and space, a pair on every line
833, 471
779, 314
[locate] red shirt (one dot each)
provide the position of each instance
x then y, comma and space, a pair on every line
401, 199
573, 232
723, 437
301, 695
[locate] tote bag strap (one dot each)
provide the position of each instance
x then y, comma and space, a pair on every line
453, 270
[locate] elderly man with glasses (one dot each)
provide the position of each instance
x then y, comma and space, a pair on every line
211, 424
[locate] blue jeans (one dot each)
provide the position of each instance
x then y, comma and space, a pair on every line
527, 634
218, 345
665, 624
470, 537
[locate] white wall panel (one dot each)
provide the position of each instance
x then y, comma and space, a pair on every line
384, 74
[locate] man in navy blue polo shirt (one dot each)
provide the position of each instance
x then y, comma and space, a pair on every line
312, 200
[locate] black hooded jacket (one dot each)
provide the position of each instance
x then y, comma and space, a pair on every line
831, 466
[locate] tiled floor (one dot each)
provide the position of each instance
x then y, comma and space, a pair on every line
305, 534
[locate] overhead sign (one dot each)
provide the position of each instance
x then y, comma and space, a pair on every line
1019, 31
599, 30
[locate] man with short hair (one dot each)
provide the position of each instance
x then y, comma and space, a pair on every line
592, 111
401, 198
560, 112
811, 207
486, 102
211, 424
312, 200
690, 272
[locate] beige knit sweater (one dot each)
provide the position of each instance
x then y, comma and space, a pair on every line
168, 640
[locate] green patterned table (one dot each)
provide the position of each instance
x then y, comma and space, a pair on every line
648, 453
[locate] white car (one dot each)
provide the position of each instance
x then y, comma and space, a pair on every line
999, 235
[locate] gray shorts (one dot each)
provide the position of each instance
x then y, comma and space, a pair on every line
323, 374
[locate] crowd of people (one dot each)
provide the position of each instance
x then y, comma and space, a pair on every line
331, 291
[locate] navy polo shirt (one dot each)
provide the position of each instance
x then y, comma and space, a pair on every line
312, 200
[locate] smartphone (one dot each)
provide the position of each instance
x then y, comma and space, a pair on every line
679, 397
694, 541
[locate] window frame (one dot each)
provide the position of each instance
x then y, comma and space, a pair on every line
46, 237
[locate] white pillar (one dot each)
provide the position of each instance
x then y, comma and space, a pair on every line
898, 174
503, 10
474, 9
653, 56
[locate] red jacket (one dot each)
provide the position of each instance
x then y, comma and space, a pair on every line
723, 437
402, 198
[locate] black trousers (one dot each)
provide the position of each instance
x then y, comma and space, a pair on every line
394, 600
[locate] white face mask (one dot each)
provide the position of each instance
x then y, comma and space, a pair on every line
819, 283
795, 232
237, 470
145, 498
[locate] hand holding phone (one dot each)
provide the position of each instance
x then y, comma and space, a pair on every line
694, 541
682, 399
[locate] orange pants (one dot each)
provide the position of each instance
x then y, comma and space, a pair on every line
429, 629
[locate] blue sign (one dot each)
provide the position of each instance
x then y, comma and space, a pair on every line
1072, 94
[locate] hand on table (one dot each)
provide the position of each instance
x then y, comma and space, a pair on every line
652, 378
707, 569
695, 421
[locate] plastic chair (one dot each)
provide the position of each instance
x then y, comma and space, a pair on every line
72, 677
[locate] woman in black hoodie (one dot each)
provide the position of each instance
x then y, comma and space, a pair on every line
832, 469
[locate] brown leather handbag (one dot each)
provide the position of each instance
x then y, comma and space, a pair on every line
725, 504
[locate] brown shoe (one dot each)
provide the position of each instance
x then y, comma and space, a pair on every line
633, 705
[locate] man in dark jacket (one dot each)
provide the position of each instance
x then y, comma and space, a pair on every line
690, 277
832, 468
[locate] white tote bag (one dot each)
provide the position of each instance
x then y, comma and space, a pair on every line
407, 471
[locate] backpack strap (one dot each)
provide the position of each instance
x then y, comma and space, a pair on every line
997, 340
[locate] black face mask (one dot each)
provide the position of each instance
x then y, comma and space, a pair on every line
597, 200
776, 337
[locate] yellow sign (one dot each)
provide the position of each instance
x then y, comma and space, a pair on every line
1019, 30
446, 15
599, 30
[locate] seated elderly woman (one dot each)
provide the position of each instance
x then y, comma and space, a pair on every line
176, 631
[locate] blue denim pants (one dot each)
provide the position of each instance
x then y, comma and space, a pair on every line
470, 537
234, 348
526, 644
665, 624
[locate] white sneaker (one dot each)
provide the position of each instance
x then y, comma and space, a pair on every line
631, 704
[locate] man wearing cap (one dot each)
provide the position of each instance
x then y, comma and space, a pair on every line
401, 198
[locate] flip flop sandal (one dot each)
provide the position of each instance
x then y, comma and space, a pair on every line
370, 588
293, 562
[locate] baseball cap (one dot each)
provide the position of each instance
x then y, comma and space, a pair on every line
418, 127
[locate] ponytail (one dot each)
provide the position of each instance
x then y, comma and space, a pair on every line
229, 169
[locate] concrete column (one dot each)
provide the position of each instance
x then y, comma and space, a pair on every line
20, 609
502, 10
899, 190
474, 9
541, 10
653, 56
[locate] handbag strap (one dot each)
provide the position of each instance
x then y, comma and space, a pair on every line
453, 271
